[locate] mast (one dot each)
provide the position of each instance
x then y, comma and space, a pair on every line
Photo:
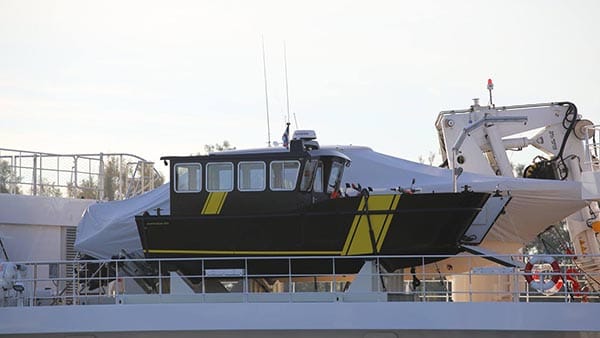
287, 96
266, 92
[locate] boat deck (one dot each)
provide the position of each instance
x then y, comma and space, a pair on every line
458, 296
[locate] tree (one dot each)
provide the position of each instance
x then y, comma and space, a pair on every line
50, 189
554, 240
7, 178
430, 158
518, 169
113, 174
209, 148
87, 189
118, 176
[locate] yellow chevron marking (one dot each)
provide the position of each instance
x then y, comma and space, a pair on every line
358, 241
352, 231
380, 202
206, 203
214, 203
223, 196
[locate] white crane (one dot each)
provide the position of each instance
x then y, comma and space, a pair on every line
477, 140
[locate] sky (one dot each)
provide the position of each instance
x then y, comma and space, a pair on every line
158, 78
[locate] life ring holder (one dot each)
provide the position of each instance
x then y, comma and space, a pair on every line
547, 287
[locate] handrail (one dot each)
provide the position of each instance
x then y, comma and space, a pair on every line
592, 149
110, 283
75, 175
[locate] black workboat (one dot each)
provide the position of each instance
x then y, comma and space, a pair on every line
288, 202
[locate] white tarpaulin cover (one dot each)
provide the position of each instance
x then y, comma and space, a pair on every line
535, 205
106, 228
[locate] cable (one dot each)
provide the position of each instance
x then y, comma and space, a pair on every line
544, 167
571, 119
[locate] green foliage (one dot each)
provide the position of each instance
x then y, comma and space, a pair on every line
209, 148
112, 177
87, 189
7, 177
50, 189
118, 175
430, 158
518, 169
554, 240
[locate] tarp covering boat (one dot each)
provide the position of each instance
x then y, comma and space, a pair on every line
107, 228
536, 203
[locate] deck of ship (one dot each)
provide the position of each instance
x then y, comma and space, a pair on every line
129, 298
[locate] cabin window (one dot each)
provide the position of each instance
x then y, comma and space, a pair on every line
318, 183
308, 174
284, 175
219, 176
188, 177
335, 176
251, 176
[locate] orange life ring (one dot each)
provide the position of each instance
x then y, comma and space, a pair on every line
547, 287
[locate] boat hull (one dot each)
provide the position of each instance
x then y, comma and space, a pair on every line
409, 224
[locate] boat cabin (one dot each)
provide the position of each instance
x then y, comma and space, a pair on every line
241, 182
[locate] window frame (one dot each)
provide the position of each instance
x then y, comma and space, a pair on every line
307, 182
271, 171
232, 176
239, 172
329, 189
182, 164
320, 167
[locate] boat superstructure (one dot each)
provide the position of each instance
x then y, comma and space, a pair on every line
289, 202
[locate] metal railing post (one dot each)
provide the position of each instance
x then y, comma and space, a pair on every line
424, 277
117, 283
334, 286
160, 286
101, 177
35, 275
34, 177
246, 286
470, 280
290, 279
203, 280
516, 290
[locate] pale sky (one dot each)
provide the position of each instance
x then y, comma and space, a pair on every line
160, 78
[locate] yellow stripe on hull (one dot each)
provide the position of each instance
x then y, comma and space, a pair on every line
214, 203
358, 240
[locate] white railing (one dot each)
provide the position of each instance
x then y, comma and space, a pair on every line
592, 148
94, 176
453, 279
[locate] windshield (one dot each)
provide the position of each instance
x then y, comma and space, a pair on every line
335, 176
308, 174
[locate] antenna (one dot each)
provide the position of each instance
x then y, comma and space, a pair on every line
266, 92
287, 96
490, 87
